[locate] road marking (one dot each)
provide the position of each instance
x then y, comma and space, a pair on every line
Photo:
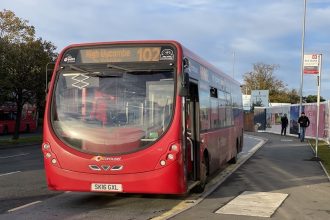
16, 155
5, 174
259, 204
23, 206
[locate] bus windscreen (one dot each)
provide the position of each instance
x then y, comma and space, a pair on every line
112, 113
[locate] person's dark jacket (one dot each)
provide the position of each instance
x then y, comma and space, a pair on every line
304, 121
284, 121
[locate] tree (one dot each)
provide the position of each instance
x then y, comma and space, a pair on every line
22, 63
293, 96
3, 48
313, 99
262, 78
14, 29
286, 97
44, 56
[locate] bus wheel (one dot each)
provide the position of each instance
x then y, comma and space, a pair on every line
235, 158
203, 175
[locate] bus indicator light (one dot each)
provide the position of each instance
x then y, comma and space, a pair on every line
163, 162
54, 161
46, 146
170, 156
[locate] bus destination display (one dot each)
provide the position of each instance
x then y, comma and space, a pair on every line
125, 54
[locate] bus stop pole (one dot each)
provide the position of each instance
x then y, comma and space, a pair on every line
318, 105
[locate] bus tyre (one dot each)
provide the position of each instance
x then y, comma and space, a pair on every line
203, 176
235, 158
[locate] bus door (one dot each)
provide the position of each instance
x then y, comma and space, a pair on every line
192, 128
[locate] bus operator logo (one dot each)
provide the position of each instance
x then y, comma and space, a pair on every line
102, 158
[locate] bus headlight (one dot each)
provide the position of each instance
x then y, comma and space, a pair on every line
174, 147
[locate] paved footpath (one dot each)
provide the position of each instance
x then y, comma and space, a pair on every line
279, 176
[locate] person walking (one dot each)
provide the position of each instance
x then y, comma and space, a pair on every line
304, 123
284, 123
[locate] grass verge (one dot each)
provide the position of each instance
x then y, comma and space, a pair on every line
323, 152
21, 140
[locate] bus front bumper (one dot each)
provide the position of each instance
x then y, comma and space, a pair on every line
167, 180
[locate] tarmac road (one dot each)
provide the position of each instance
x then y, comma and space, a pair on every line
283, 166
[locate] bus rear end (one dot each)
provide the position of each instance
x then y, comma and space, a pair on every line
113, 120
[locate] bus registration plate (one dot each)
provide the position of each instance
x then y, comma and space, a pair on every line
103, 187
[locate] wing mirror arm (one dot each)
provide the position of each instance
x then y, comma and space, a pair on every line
183, 84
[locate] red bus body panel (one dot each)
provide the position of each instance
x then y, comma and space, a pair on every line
158, 181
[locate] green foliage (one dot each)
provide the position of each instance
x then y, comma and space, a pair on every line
323, 153
14, 29
262, 78
285, 97
313, 99
23, 60
25, 140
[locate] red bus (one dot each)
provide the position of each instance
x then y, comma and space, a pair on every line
8, 113
138, 117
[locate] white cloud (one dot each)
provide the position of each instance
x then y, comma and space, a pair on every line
258, 31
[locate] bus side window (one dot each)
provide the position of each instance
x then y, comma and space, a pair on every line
222, 112
214, 113
205, 110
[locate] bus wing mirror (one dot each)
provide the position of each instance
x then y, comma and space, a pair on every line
183, 84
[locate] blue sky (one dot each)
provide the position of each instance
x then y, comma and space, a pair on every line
267, 31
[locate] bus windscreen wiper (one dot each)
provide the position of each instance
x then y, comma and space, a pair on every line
105, 74
96, 73
118, 67
132, 71
78, 69
149, 71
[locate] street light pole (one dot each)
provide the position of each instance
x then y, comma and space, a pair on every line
234, 64
302, 58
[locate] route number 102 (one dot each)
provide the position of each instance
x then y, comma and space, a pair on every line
148, 54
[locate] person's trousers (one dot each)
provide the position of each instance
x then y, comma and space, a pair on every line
302, 133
